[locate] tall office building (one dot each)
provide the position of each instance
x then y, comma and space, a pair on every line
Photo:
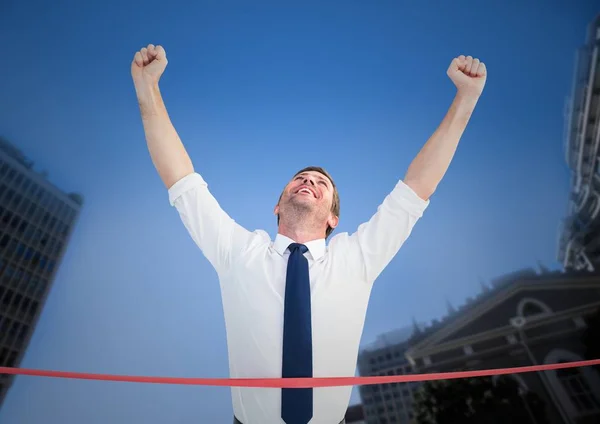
387, 403
579, 243
36, 221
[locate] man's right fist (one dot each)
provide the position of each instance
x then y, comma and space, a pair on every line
149, 64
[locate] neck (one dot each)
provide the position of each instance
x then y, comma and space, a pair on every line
300, 235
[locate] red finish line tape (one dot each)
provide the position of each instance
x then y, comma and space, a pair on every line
296, 382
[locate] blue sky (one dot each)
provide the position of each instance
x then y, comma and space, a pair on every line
256, 92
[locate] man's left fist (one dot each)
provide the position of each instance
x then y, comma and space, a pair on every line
468, 74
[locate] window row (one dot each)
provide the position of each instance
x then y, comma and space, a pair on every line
22, 280
24, 185
30, 234
386, 357
23, 255
33, 211
396, 394
8, 358
17, 306
12, 333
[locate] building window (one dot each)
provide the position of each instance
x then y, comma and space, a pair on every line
10, 175
18, 179
531, 307
427, 360
468, 349
578, 390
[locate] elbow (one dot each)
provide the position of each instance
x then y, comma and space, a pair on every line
169, 178
422, 189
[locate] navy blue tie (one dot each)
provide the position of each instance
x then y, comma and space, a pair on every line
297, 404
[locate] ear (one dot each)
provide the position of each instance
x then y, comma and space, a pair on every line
276, 211
333, 221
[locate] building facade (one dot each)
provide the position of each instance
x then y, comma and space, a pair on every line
355, 415
524, 319
387, 403
36, 222
579, 239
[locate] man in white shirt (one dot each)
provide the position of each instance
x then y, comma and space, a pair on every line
295, 306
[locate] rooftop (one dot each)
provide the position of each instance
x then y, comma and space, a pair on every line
15, 153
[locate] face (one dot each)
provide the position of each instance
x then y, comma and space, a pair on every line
309, 192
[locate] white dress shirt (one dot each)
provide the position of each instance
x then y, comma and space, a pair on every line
252, 274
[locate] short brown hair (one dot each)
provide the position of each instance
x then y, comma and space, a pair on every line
335, 205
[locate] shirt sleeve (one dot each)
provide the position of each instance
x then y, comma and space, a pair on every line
216, 234
375, 243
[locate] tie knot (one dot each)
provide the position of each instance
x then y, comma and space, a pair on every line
295, 246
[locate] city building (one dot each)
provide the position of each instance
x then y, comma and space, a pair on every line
355, 415
36, 222
387, 403
579, 236
525, 318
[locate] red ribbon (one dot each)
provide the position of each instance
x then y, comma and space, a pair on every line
296, 382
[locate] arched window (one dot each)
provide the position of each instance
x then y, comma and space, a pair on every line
577, 389
529, 306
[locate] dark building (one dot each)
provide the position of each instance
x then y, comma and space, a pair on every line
526, 318
36, 221
355, 415
579, 245
387, 403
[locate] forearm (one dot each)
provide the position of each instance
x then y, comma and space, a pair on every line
166, 149
430, 165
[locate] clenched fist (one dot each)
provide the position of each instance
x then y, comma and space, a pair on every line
468, 74
149, 64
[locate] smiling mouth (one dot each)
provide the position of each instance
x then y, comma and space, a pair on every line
306, 191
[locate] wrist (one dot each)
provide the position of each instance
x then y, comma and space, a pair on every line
467, 96
147, 91
144, 85
149, 97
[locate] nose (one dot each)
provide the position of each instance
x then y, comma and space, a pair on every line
308, 181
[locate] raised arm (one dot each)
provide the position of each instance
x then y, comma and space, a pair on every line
216, 234
429, 167
377, 241
166, 149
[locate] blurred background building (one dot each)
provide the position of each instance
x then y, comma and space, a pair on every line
36, 222
579, 245
392, 402
525, 318
355, 415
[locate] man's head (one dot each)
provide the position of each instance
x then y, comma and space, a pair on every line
310, 196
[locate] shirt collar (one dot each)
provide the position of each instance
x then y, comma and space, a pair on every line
315, 247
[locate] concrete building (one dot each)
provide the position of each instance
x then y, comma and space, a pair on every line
387, 403
579, 239
526, 318
36, 221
